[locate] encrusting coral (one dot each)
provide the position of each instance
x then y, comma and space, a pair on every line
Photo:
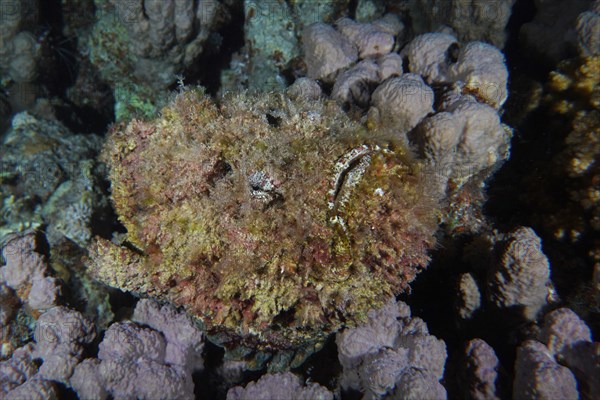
276, 222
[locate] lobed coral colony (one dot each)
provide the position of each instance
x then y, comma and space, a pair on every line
275, 221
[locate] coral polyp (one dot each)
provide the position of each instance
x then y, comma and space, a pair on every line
274, 221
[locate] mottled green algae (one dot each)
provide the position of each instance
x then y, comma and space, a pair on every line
276, 222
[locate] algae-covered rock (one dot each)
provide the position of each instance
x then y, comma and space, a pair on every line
275, 222
141, 47
49, 176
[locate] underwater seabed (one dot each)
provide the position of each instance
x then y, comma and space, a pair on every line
329, 200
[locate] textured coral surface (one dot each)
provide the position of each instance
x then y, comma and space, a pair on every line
275, 221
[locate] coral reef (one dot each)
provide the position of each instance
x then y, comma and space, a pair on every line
562, 363
279, 386
538, 375
285, 220
273, 36
50, 180
151, 358
560, 29
352, 87
468, 296
481, 371
471, 19
556, 359
185, 341
326, 52
49, 176
476, 67
441, 96
573, 94
133, 359
374, 39
562, 203
14, 320
430, 55
9, 302
270, 43
31, 284
140, 47
131, 362
588, 31
392, 354
510, 271
60, 337
462, 141
19, 47
27, 289
401, 102
569, 340
24, 266
486, 21
89, 92
18, 378
305, 88
574, 91
256, 226
521, 275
